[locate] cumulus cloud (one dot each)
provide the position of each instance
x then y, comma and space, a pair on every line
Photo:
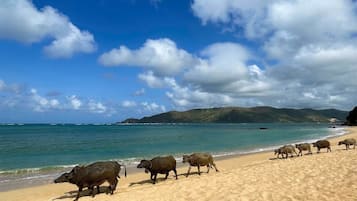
152, 80
161, 56
74, 101
153, 107
41, 104
97, 107
312, 50
128, 104
223, 68
20, 20
29, 99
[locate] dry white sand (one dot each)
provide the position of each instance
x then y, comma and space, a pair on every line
325, 176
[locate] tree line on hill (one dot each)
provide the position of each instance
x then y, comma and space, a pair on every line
245, 115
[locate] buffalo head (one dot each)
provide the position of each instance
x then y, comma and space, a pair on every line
66, 177
185, 158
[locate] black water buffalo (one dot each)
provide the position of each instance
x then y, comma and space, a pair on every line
159, 165
199, 159
303, 147
93, 175
321, 144
348, 142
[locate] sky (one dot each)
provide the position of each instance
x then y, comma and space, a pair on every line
102, 61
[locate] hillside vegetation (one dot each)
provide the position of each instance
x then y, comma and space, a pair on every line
243, 115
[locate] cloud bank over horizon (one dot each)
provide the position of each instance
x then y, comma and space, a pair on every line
307, 62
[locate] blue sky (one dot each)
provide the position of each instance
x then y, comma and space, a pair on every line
63, 61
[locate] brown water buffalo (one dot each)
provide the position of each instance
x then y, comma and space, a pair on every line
278, 153
286, 149
199, 159
321, 144
348, 142
93, 175
159, 165
303, 147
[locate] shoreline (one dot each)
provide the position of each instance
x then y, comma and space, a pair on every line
297, 178
34, 180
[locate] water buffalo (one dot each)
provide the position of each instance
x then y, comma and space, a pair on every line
321, 144
93, 175
278, 153
348, 142
303, 147
159, 165
286, 149
199, 159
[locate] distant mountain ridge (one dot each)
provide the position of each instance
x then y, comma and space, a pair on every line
243, 115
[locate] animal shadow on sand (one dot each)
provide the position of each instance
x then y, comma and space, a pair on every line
149, 181
87, 192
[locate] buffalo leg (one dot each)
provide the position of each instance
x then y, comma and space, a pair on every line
175, 173
79, 191
116, 183
91, 188
188, 172
155, 175
198, 167
112, 185
214, 165
151, 176
167, 174
98, 190
208, 167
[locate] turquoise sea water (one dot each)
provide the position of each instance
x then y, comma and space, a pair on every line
47, 148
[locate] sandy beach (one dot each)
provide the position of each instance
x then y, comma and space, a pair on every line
324, 176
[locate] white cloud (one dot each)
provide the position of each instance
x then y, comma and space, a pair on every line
233, 12
185, 97
11, 88
20, 20
75, 102
97, 107
41, 104
153, 107
312, 50
223, 68
161, 56
14, 96
139, 92
74, 41
128, 104
151, 80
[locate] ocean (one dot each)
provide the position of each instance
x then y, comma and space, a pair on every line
31, 154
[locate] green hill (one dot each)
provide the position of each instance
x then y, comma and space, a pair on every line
243, 115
